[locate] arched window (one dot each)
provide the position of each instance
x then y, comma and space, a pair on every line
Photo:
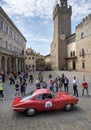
82, 35
83, 52
73, 53
0, 42
83, 65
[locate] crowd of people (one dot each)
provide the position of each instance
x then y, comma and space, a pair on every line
20, 79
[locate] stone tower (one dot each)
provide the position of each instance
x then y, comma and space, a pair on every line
62, 29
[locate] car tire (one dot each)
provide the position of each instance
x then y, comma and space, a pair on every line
30, 112
68, 107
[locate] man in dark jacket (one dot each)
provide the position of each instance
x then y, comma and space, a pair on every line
65, 82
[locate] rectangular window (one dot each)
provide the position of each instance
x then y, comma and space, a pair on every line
6, 27
10, 32
83, 65
29, 66
1, 25
0, 42
32, 66
32, 58
29, 58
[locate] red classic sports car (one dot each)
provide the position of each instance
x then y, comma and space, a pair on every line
43, 100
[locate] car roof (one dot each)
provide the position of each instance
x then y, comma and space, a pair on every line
41, 91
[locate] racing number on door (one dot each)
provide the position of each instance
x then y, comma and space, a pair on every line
48, 104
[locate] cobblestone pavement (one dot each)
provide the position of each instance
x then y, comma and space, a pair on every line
77, 119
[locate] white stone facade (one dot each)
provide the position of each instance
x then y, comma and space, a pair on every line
12, 45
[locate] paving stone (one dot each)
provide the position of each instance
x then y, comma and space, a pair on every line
77, 119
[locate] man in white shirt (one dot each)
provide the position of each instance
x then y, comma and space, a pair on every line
75, 83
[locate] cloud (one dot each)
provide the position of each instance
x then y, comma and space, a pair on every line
44, 8
34, 18
30, 8
80, 9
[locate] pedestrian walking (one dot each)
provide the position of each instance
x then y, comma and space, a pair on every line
40, 77
37, 84
1, 90
65, 82
55, 85
12, 79
21, 76
23, 87
84, 87
51, 82
3, 76
50, 76
31, 78
0, 76
60, 84
75, 83
17, 89
44, 84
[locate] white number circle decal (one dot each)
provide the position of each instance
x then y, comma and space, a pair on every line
48, 104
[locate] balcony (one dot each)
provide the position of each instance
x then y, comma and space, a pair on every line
5, 51
12, 53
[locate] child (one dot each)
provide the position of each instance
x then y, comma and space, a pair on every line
31, 79
17, 91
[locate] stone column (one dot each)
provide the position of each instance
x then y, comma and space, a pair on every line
16, 64
19, 64
6, 64
24, 64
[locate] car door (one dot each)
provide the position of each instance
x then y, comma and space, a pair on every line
44, 103
58, 103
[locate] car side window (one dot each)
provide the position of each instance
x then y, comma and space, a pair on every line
44, 96
39, 97
47, 96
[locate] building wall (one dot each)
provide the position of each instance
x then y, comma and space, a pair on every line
82, 46
34, 61
12, 45
83, 40
71, 53
31, 62
76, 44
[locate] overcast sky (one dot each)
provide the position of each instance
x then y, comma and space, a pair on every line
34, 18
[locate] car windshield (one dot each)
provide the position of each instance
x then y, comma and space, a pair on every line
28, 96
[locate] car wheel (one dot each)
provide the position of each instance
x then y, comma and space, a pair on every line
68, 107
30, 112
